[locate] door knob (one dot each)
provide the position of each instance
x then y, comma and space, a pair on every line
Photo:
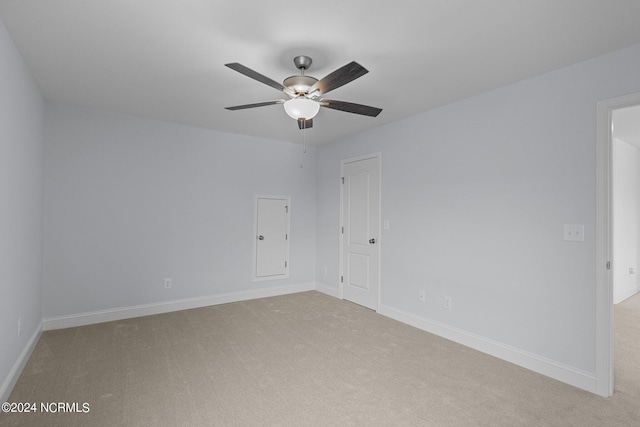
372, 241
260, 237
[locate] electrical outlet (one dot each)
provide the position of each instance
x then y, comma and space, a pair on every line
448, 302
422, 296
167, 283
19, 327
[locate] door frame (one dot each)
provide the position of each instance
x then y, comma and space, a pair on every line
375, 155
604, 241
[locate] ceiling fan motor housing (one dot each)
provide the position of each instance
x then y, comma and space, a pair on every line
300, 85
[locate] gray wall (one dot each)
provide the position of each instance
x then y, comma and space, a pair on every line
21, 195
477, 193
129, 202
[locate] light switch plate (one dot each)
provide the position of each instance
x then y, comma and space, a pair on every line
574, 232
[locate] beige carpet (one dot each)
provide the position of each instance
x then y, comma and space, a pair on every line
302, 360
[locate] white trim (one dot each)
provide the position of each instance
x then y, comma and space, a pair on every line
14, 373
536, 363
533, 362
340, 235
375, 155
90, 318
604, 250
625, 296
332, 292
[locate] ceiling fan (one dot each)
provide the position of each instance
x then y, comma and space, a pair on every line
306, 93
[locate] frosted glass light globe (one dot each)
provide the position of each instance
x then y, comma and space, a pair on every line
301, 108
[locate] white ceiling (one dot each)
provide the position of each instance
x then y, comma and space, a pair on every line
164, 59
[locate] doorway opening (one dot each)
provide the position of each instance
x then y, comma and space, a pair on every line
617, 225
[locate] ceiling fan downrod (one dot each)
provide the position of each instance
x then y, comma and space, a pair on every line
301, 84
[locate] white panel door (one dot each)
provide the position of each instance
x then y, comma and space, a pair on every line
271, 260
360, 232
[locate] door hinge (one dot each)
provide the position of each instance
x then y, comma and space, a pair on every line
285, 264
608, 265
286, 208
341, 279
286, 237
342, 179
342, 230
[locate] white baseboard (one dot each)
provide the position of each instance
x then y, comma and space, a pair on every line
536, 363
90, 318
15, 372
328, 290
533, 362
620, 297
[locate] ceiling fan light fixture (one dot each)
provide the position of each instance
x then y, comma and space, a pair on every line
301, 108
307, 92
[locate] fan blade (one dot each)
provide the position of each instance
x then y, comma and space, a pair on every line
339, 77
259, 104
255, 75
350, 107
305, 124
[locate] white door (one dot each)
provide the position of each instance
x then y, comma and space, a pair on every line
361, 230
271, 247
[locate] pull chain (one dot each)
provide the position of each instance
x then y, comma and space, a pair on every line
304, 138
303, 146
